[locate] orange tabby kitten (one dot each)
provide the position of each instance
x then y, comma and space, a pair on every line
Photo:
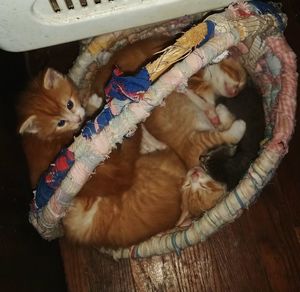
199, 193
49, 114
150, 205
226, 78
180, 123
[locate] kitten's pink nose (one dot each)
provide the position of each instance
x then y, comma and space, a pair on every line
231, 91
197, 172
235, 89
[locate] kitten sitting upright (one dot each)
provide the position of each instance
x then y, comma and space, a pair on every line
50, 110
49, 115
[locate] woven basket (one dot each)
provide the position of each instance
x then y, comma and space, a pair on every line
256, 30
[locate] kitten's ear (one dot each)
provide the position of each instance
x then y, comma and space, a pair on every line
52, 78
29, 126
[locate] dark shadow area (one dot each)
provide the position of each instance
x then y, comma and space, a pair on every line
27, 262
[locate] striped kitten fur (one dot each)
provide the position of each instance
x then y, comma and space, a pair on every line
181, 121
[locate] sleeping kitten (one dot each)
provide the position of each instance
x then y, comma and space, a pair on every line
200, 192
228, 164
226, 78
102, 217
184, 115
49, 115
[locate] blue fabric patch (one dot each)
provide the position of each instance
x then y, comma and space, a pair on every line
133, 87
101, 120
53, 177
120, 91
210, 32
274, 64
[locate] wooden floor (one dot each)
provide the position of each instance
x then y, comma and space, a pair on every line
258, 252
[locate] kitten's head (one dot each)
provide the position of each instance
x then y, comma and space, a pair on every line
227, 78
50, 107
207, 190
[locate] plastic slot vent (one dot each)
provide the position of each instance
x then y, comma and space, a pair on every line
69, 4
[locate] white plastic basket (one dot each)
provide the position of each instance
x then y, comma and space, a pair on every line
32, 24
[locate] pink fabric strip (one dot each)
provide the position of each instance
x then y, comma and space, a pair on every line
285, 112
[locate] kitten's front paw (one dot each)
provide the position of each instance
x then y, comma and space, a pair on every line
236, 132
95, 101
213, 116
225, 116
93, 104
149, 143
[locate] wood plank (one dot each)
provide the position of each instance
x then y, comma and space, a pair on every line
88, 270
276, 239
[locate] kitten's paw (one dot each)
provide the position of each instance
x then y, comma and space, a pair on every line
149, 143
95, 101
225, 116
93, 104
236, 131
213, 116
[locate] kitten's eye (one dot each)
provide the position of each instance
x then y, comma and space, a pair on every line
61, 123
203, 186
70, 104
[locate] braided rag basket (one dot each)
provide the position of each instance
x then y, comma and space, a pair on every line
255, 29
